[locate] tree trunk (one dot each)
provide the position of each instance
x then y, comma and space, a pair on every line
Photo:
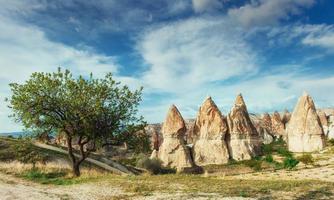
75, 164
76, 169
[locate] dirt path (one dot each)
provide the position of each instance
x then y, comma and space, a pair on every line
15, 188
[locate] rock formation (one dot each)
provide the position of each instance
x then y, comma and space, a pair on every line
323, 121
278, 126
154, 132
265, 129
173, 151
211, 128
243, 140
304, 130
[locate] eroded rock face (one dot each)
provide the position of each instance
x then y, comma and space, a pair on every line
263, 127
243, 139
210, 127
265, 136
304, 130
323, 121
173, 151
278, 126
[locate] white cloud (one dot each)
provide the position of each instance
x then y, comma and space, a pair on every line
262, 94
323, 37
268, 12
206, 5
191, 53
311, 35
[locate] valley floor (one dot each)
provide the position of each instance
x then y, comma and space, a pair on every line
304, 183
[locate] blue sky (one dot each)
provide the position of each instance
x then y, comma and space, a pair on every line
180, 50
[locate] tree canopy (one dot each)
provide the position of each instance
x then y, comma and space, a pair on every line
90, 112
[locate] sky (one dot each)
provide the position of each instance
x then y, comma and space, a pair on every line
180, 51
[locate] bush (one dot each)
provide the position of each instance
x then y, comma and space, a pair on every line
151, 165
267, 149
284, 152
269, 158
307, 159
290, 162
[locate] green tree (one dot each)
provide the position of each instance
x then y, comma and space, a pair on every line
90, 112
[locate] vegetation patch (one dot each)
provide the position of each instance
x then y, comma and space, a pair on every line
307, 159
154, 166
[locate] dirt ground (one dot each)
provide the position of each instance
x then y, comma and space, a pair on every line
15, 188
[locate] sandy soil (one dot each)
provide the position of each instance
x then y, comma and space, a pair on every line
15, 188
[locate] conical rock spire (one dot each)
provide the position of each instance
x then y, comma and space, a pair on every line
210, 127
304, 130
173, 151
243, 140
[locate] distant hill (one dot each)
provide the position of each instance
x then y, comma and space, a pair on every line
14, 134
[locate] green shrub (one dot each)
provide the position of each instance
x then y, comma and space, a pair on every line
269, 158
306, 159
284, 152
279, 141
290, 162
267, 149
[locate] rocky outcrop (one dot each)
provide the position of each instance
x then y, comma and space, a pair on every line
265, 136
243, 140
323, 121
278, 126
173, 151
211, 128
304, 130
263, 127
154, 132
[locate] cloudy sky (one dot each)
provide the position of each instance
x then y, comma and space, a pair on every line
180, 50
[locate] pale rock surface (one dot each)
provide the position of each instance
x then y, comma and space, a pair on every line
243, 139
278, 126
211, 128
173, 151
304, 130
